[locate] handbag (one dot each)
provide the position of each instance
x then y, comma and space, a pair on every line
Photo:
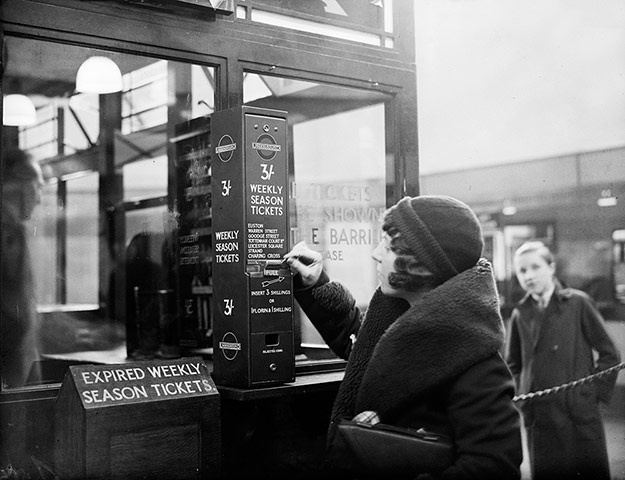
390, 451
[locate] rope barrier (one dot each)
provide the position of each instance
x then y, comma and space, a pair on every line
566, 386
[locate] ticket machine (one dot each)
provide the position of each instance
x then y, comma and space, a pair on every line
253, 341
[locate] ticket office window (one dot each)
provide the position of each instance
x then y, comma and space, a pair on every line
339, 166
105, 161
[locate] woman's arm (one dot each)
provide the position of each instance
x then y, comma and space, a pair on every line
332, 310
329, 305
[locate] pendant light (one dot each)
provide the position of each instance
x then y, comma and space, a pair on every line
18, 111
98, 75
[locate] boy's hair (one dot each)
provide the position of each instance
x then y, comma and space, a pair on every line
535, 246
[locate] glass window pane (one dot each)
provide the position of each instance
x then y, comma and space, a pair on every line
339, 167
151, 221
145, 178
341, 192
285, 21
44, 243
93, 173
82, 240
362, 22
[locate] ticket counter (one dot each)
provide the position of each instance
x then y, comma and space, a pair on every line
111, 257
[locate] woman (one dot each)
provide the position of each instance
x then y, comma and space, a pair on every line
426, 352
553, 333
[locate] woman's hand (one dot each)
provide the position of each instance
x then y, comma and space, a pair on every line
305, 262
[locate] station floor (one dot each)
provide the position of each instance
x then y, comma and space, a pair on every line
615, 433
614, 421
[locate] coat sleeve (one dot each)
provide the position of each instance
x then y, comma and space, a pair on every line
333, 311
608, 356
485, 423
514, 357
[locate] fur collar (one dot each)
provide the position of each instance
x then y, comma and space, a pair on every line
402, 351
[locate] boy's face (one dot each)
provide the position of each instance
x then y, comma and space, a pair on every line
534, 273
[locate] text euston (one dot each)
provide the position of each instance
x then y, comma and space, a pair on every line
107, 385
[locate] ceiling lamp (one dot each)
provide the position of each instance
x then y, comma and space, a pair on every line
508, 208
18, 111
98, 75
607, 199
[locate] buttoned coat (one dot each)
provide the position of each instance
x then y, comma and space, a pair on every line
550, 348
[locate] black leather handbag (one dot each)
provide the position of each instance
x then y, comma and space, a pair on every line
388, 451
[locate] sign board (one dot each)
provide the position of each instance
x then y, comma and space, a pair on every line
152, 419
123, 384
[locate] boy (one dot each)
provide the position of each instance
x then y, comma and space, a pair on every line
553, 333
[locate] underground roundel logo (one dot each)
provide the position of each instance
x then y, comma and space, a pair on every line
266, 146
225, 148
230, 346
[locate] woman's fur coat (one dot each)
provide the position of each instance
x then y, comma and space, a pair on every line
433, 365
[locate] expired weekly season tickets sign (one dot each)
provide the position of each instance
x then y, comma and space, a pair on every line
100, 385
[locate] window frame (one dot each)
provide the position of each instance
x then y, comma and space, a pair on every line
236, 46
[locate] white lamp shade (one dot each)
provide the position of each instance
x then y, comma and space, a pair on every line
18, 111
98, 75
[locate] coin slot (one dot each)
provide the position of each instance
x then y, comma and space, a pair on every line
272, 339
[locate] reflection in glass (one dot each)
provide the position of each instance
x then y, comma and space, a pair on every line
370, 22
22, 181
18, 110
618, 264
338, 165
106, 164
98, 75
81, 227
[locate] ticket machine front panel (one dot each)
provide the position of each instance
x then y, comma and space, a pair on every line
253, 304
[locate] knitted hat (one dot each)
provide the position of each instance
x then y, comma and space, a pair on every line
441, 231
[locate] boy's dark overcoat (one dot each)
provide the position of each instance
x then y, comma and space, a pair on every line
565, 430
